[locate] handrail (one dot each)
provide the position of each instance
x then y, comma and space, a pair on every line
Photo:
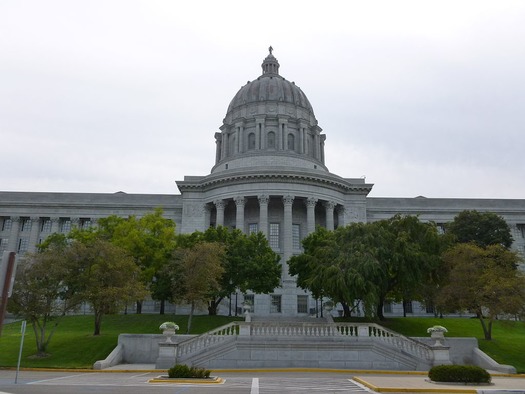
219, 334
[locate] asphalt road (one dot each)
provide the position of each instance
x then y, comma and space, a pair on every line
37, 382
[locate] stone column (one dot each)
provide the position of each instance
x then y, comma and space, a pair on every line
263, 214
329, 206
218, 138
225, 141
305, 141
317, 147
240, 202
279, 136
241, 139
287, 234
310, 214
33, 236
54, 225
262, 137
219, 204
13, 235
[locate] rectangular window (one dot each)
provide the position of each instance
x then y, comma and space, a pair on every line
23, 245
274, 235
84, 223
3, 244
46, 225
302, 304
521, 230
253, 228
250, 299
6, 224
296, 237
65, 225
275, 306
25, 224
429, 307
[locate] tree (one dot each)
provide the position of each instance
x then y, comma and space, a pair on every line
369, 261
340, 264
107, 277
409, 251
150, 240
248, 262
195, 274
44, 293
483, 228
484, 281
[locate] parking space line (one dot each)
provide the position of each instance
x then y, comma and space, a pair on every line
50, 380
255, 386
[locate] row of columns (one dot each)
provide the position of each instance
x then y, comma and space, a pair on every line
287, 230
224, 140
311, 202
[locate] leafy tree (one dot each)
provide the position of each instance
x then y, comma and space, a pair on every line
150, 240
43, 292
369, 261
483, 228
484, 281
107, 277
195, 274
248, 262
340, 264
409, 251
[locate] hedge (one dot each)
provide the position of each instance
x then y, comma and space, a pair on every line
459, 373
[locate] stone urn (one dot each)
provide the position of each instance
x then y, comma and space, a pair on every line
169, 329
437, 333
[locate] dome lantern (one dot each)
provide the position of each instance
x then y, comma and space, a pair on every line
270, 64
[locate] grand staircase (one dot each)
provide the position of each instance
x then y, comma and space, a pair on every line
302, 343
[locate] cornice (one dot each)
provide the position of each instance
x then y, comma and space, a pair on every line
213, 181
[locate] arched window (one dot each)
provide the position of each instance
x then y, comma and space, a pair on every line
251, 141
271, 140
291, 142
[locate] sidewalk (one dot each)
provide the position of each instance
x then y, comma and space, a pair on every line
418, 383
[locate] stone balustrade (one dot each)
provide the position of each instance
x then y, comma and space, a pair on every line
339, 331
218, 335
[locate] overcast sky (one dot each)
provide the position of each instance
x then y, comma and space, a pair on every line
421, 97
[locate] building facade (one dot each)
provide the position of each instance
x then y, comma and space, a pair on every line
269, 176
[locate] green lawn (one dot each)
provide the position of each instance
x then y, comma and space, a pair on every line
506, 347
74, 346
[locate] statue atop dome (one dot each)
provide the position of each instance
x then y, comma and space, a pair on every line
270, 64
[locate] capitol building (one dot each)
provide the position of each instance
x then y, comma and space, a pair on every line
269, 175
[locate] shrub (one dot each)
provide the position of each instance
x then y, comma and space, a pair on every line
183, 371
459, 373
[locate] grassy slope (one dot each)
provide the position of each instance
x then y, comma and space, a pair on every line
506, 347
74, 346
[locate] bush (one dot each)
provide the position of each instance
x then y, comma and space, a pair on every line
459, 373
183, 371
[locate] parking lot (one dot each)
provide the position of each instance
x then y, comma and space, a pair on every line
137, 382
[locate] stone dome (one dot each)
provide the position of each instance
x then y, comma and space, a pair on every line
270, 86
269, 123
